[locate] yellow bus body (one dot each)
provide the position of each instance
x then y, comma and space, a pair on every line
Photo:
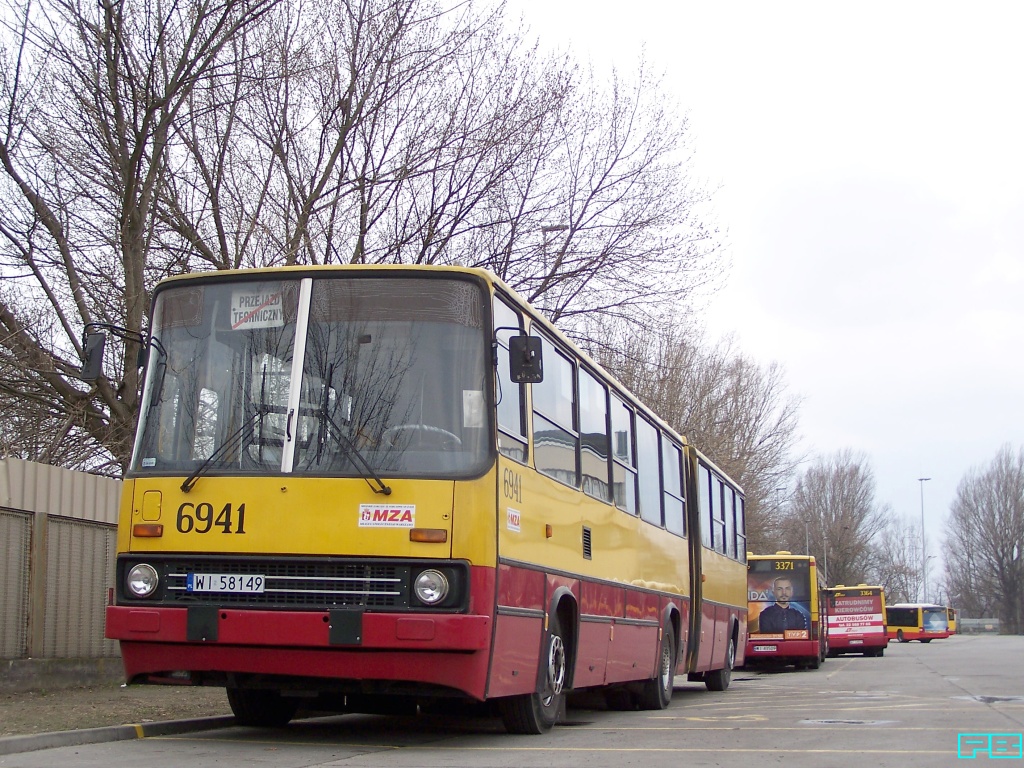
548, 580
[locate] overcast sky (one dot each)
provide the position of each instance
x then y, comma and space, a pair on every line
871, 164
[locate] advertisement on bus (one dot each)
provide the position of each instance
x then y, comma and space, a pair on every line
856, 620
778, 600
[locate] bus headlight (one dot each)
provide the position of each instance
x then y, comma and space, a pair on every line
142, 580
431, 587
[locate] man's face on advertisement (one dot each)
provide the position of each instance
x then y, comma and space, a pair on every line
783, 591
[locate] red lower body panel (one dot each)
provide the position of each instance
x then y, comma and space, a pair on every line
856, 642
780, 649
449, 650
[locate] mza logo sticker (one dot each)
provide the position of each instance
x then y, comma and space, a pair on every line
513, 519
378, 516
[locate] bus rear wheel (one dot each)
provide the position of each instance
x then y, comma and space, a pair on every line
260, 708
536, 713
899, 636
657, 693
719, 679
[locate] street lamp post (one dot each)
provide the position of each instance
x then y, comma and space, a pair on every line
924, 556
824, 554
546, 230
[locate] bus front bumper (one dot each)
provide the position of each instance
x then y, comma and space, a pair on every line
321, 629
188, 646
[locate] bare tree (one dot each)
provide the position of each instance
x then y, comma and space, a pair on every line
89, 95
142, 141
735, 411
835, 499
895, 563
985, 541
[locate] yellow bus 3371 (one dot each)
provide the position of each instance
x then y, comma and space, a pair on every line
366, 489
786, 611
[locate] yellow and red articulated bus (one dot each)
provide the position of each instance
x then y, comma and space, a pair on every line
856, 620
786, 623
916, 621
370, 488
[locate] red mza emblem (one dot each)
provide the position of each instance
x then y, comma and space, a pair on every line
387, 516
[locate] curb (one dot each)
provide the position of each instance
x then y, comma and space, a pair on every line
10, 745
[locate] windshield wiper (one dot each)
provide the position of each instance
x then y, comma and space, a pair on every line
252, 421
328, 425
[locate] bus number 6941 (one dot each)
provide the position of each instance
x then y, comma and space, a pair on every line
200, 518
513, 485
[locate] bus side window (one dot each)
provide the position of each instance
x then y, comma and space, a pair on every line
648, 471
706, 510
595, 445
741, 528
717, 515
555, 441
730, 521
675, 506
623, 462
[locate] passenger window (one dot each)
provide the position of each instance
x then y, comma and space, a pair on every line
648, 471
555, 441
674, 503
594, 449
623, 473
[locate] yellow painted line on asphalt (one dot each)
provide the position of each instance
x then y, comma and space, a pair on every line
804, 728
842, 668
712, 718
609, 750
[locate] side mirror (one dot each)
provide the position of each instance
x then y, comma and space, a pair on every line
92, 368
526, 362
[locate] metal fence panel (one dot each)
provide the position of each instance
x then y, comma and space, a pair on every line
15, 538
79, 569
58, 540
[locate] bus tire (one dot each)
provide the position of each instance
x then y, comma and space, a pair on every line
813, 662
899, 636
260, 708
536, 713
926, 639
657, 692
719, 679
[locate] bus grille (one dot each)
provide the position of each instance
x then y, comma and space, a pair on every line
296, 584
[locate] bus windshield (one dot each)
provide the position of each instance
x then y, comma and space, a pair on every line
340, 376
934, 619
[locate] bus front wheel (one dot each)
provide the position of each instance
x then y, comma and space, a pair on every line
536, 713
899, 636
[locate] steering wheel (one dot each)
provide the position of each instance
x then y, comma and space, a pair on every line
422, 434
